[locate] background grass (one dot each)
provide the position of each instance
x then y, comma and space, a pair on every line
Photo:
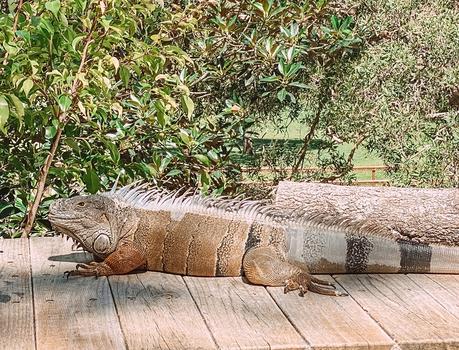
289, 138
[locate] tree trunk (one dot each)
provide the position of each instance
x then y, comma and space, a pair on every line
409, 214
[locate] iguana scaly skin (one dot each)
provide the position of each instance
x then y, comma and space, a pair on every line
187, 234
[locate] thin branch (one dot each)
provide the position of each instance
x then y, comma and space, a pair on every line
306, 142
324, 96
15, 26
63, 118
41, 184
348, 166
201, 78
16, 15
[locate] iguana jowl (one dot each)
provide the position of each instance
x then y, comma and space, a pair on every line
190, 235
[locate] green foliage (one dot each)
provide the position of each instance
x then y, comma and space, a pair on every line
164, 93
400, 93
399, 98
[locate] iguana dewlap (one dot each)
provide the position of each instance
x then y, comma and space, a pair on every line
190, 235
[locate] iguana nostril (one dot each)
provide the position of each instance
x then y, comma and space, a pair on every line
54, 205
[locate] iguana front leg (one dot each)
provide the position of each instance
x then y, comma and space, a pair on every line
267, 266
124, 259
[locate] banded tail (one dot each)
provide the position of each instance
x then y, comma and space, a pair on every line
326, 249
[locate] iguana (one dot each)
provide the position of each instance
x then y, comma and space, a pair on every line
188, 234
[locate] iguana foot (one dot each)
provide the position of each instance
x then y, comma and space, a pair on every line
267, 266
124, 259
91, 269
303, 282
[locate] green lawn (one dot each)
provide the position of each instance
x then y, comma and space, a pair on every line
297, 131
289, 141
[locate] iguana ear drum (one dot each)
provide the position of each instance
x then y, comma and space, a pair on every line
101, 243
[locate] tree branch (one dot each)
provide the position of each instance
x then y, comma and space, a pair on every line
324, 96
307, 139
63, 118
15, 26
348, 166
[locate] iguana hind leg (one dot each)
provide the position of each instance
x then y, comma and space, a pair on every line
124, 259
267, 266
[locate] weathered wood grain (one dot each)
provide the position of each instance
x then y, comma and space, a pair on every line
74, 313
331, 323
156, 311
443, 288
404, 310
16, 304
242, 316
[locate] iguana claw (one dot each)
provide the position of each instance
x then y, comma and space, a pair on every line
304, 282
91, 269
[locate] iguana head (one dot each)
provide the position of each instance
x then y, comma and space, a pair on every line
97, 222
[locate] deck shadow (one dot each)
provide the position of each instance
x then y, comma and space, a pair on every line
76, 257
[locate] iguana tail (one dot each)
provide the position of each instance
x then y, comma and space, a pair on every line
327, 249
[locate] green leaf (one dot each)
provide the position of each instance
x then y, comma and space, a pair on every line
164, 163
76, 41
281, 67
114, 153
23, 34
270, 79
178, 51
292, 97
346, 23
91, 180
11, 49
72, 144
63, 19
19, 204
50, 132
187, 105
65, 102
4, 113
27, 85
299, 85
320, 3
204, 178
212, 155
281, 94
203, 159
160, 113
124, 75
4, 207
53, 6
293, 69
185, 137
17, 105
174, 172
334, 22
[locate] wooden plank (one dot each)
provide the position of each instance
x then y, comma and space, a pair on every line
242, 316
16, 304
443, 288
74, 313
404, 310
331, 322
156, 311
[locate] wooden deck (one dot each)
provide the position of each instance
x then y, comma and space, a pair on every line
40, 309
